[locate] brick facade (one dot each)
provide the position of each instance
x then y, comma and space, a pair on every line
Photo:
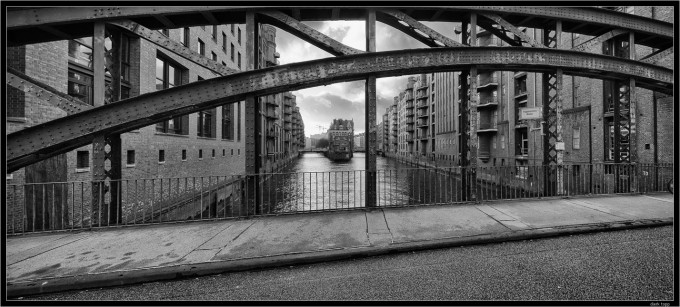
582, 100
49, 63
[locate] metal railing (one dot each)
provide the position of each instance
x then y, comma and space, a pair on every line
58, 206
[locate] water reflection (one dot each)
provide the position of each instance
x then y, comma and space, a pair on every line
314, 182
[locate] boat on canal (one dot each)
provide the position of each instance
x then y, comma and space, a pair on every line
340, 140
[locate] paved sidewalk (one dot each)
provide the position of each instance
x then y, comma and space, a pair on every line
41, 263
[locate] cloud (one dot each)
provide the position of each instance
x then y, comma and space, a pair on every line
338, 33
319, 111
319, 105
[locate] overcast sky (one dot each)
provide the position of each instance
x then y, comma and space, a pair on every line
319, 105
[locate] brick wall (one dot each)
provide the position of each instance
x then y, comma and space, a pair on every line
30, 59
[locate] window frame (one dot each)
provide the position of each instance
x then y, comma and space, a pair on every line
80, 160
576, 138
185, 35
130, 153
201, 47
179, 124
228, 122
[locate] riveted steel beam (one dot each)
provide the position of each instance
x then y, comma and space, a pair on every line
45, 92
501, 22
27, 17
587, 15
173, 46
296, 14
31, 17
655, 56
595, 41
55, 32
210, 18
553, 145
468, 115
369, 116
500, 33
436, 15
44, 140
253, 120
307, 33
427, 35
165, 21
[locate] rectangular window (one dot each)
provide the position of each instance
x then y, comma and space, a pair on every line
184, 37
80, 86
232, 151
200, 154
213, 55
522, 141
214, 33
80, 51
609, 139
239, 60
184, 154
80, 74
228, 122
161, 156
521, 85
609, 92
170, 75
576, 138
130, 158
521, 169
232, 52
232, 29
213, 153
82, 159
201, 47
224, 42
224, 152
205, 123
125, 64
239, 36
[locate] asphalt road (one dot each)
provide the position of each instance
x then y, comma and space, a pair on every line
622, 265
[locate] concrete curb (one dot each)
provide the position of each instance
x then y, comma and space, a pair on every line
120, 278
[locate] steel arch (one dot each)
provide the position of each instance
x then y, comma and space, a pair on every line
582, 20
51, 138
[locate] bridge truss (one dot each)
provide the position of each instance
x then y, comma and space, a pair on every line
102, 124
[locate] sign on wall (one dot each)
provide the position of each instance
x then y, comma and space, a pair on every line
530, 113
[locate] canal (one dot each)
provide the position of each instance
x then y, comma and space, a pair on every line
314, 182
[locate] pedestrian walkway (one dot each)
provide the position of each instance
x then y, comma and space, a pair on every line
41, 263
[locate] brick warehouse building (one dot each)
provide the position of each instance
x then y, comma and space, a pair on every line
206, 143
429, 109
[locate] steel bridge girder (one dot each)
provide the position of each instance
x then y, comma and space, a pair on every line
55, 16
392, 17
307, 33
58, 136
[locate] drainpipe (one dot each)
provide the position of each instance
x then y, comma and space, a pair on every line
655, 140
590, 146
654, 121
